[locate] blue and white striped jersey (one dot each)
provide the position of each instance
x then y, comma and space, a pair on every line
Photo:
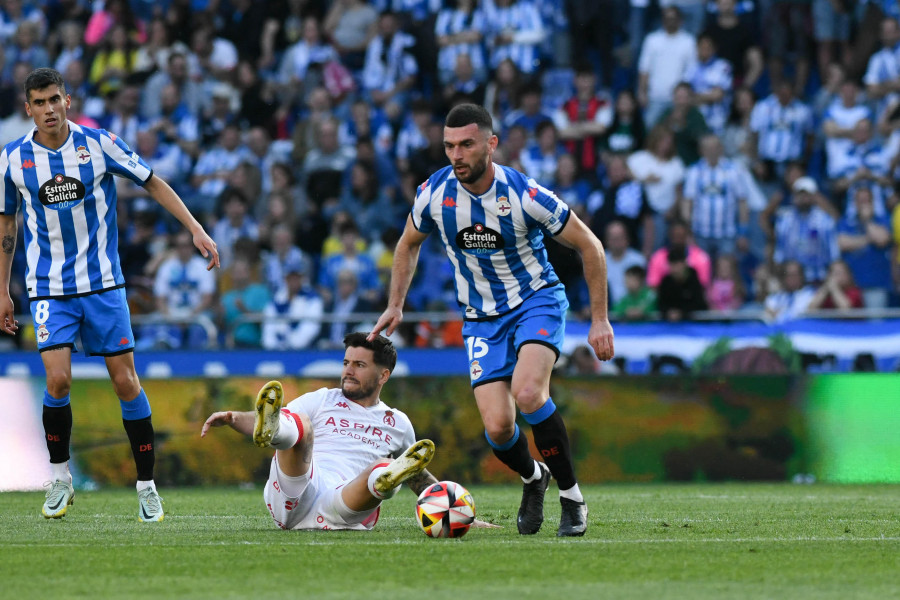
705, 77
715, 193
494, 241
782, 130
523, 22
68, 197
809, 238
883, 66
451, 22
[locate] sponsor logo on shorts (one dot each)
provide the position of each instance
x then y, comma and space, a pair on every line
503, 206
475, 370
61, 193
42, 334
479, 239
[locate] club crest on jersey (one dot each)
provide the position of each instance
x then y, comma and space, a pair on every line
479, 239
82, 154
42, 334
503, 206
389, 418
61, 193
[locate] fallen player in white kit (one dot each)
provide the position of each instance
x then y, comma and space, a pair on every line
333, 447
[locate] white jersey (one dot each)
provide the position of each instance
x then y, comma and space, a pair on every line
350, 437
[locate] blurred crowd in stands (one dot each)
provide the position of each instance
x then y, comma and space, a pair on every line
733, 155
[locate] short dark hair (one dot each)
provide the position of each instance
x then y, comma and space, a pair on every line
466, 114
677, 254
41, 78
636, 271
384, 353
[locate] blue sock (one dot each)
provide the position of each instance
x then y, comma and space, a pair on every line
541, 414
506, 445
139, 408
55, 402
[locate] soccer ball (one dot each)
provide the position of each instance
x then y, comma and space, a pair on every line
445, 509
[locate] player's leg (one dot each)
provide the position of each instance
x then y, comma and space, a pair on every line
57, 419
55, 328
383, 478
539, 335
289, 434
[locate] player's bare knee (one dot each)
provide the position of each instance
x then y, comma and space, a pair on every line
500, 432
126, 384
530, 396
58, 382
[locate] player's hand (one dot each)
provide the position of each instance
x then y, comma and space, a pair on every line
8, 316
217, 419
600, 337
207, 248
484, 524
387, 322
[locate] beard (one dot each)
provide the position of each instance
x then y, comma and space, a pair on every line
365, 389
476, 170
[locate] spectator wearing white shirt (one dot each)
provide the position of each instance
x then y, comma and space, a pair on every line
882, 76
665, 57
661, 172
620, 256
839, 121
782, 127
283, 254
300, 306
390, 69
301, 65
210, 176
539, 160
794, 297
234, 225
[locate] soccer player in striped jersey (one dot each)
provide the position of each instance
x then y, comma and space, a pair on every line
60, 175
492, 220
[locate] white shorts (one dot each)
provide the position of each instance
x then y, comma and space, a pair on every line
317, 505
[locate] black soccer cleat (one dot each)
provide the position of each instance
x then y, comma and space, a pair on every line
573, 519
531, 511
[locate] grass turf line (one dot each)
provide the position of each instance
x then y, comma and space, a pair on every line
643, 541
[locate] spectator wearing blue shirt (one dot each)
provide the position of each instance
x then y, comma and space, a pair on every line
514, 31
298, 301
234, 225
711, 78
460, 32
805, 233
715, 197
882, 76
530, 112
366, 121
539, 160
390, 69
210, 176
782, 127
248, 297
864, 241
866, 164
352, 260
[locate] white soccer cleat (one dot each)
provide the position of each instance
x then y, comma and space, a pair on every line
410, 463
151, 506
268, 410
60, 496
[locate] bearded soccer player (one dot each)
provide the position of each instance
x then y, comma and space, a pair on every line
492, 220
333, 447
61, 175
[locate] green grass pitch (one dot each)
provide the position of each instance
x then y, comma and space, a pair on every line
644, 541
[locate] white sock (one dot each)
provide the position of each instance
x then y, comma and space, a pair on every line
60, 471
573, 493
370, 483
287, 435
534, 476
143, 485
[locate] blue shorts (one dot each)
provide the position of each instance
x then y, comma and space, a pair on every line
102, 321
493, 345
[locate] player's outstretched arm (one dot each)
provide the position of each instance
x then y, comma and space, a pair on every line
8, 229
163, 193
239, 421
406, 256
577, 235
